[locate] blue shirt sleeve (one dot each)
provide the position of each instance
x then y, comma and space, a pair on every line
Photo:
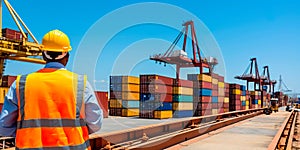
93, 112
9, 114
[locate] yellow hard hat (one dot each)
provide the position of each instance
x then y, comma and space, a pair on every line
56, 41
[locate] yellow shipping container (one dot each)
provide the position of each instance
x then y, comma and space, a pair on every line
204, 77
221, 84
163, 114
254, 92
243, 98
130, 96
259, 102
247, 107
215, 81
131, 87
237, 91
3, 92
114, 103
183, 90
130, 112
182, 106
247, 103
226, 99
131, 79
226, 110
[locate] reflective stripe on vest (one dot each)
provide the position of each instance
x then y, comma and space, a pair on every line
45, 128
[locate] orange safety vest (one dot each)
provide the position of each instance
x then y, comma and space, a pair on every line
51, 111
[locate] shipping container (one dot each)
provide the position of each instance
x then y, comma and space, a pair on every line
182, 83
12, 34
202, 85
130, 104
234, 86
215, 81
205, 92
221, 84
200, 77
124, 80
125, 95
114, 103
214, 99
115, 112
183, 113
182, 98
156, 88
182, 106
8, 80
156, 97
183, 90
163, 114
130, 112
102, 98
155, 105
121, 87
156, 79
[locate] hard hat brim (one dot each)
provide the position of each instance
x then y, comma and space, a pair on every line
67, 49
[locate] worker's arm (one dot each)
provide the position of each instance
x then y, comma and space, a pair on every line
9, 114
93, 112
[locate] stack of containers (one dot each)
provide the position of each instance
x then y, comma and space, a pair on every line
182, 98
243, 98
202, 93
215, 94
254, 99
124, 96
156, 97
248, 100
280, 97
264, 99
226, 98
234, 97
221, 94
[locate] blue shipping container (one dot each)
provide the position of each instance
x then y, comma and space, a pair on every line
131, 104
183, 113
116, 87
147, 96
205, 92
255, 101
214, 99
243, 103
243, 93
156, 106
243, 88
182, 98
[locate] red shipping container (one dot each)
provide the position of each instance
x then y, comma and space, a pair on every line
102, 98
206, 106
226, 85
183, 83
234, 86
7, 80
115, 112
214, 105
225, 105
215, 87
215, 93
205, 99
156, 79
221, 110
221, 78
202, 84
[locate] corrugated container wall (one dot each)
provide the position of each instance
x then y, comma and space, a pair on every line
102, 98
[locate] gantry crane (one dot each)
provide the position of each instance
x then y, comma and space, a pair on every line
267, 80
180, 57
14, 45
250, 77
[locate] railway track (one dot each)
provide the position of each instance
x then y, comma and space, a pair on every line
288, 136
165, 135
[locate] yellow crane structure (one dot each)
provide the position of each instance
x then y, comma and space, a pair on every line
15, 45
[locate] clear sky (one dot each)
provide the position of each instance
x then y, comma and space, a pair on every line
265, 29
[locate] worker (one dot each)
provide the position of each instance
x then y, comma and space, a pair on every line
52, 108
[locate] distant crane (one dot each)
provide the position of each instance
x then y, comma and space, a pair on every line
267, 80
180, 57
14, 45
252, 76
282, 85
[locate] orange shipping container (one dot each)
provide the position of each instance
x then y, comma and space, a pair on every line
102, 98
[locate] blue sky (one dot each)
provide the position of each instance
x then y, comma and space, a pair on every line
267, 30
